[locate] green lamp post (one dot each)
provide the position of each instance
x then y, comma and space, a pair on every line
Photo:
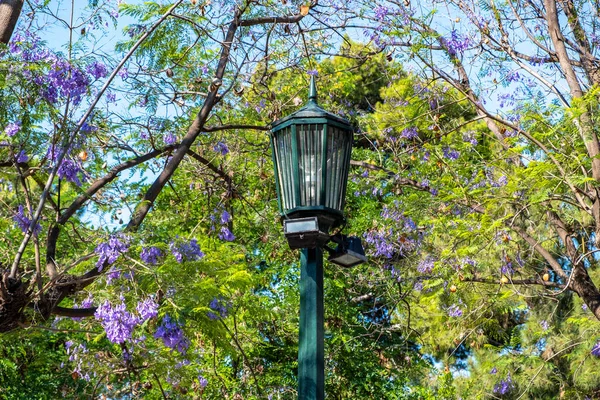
311, 156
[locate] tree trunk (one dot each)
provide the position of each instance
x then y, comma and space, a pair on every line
10, 10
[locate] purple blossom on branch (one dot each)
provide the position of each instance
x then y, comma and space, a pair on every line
457, 43
110, 251
450, 153
226, 234
596, 349
147, 309
203, 381
12, 128
426, 265
409, 133
116, 321
220, 308
454, 311
221, 148
504, 386
170, 139
225, 217
22, 157
150, 255
97, 70
172, 335
23, 222
186, 251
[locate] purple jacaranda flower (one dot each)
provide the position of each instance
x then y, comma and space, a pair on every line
112, 274
312, 72
409, 133
23, 221
116, 321
97, 70
183, 251
457, 43
454, 311
381, 12
504, 386
220, 308
226, 234
147, 309
426, 265
469, 137
544, 324
150, 255
22, 157
12, 128
450, 153
123, 73
494, 371
110, 251
225, 217
111, 97
221, 148
69, 170
172, 335
170, 139
596, 349
203, 381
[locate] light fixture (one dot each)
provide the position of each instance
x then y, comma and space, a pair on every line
349, 252
311, 155
304, 233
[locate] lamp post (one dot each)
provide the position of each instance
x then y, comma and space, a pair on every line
311, 156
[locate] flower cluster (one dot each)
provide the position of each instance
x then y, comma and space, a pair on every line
596, 349
76, 355
170, 139
186, 251
110, 251
86, 303
23, 222
409, 133
150, 255
120, 323
221, 148
69, 169
147, 309
203, 381
172, 335
116, 321
451, 154
224, 219
22, 157
220, 308
504, 386
426, 265
457, 43
454, 311
12, 128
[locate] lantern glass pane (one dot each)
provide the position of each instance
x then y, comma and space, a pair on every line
310, 143
339, 146
286, 177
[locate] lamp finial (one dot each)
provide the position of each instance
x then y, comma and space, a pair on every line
312, 93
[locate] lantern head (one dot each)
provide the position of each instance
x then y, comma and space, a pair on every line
311, 156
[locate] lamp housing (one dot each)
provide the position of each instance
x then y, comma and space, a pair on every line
311, 157
349, 252
304, 233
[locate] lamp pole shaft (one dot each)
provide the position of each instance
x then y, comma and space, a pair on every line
311, 364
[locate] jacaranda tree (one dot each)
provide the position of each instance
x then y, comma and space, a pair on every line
142, 251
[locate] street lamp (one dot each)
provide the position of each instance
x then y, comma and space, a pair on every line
311, 156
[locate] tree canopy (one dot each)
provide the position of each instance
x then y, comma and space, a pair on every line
142, 254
